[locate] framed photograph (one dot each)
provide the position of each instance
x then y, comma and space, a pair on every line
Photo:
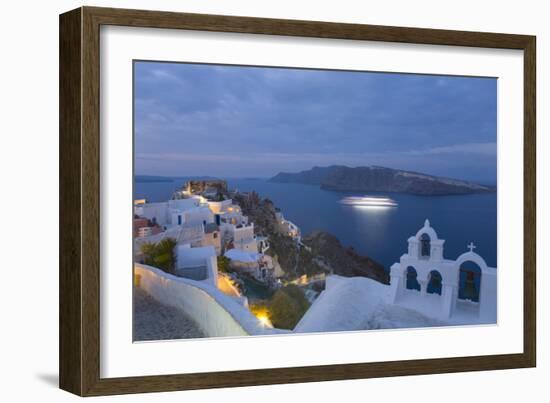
249, 201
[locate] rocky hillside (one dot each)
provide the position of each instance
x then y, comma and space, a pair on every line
323, 251
380, 179
259, 211
343, 261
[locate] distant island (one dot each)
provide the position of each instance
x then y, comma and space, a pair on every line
154, 179
381, 179
151, 179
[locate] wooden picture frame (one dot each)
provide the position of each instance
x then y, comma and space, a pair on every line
79, 317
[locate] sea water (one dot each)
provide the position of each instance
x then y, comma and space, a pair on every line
379, 232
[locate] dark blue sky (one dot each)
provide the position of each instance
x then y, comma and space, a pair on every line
227, 121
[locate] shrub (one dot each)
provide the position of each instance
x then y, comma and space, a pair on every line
223, 264
287, 307
160, 255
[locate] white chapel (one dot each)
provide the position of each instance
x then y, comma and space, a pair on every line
454, 291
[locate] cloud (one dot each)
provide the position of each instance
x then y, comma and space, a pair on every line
235, 156
250, 117
270, 163
486, 149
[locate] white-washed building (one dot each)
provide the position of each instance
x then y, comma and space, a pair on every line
155, 212
241, 236
258, 265
219, 207
185, 234
191, 210
212, 237
463, 289
198, 264
287, 227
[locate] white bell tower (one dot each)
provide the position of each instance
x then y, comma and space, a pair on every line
425, 244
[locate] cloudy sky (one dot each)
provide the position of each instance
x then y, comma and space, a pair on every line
227, 121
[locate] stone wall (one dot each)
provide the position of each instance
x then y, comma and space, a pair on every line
216, 314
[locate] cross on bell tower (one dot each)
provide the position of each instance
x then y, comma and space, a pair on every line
471, 246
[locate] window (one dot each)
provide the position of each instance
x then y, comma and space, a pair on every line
469, 281
435, 283
425, 245
412, 282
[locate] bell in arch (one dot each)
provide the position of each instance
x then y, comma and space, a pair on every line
470, 291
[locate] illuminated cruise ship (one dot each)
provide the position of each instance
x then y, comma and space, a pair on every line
369, 201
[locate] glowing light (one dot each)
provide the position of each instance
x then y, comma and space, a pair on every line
262, 314
373, 207
369, 201
228, 286
264, 320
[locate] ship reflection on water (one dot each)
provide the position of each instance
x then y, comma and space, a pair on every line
369, 202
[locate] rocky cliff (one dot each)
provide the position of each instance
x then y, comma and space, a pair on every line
344, 261
380, 179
